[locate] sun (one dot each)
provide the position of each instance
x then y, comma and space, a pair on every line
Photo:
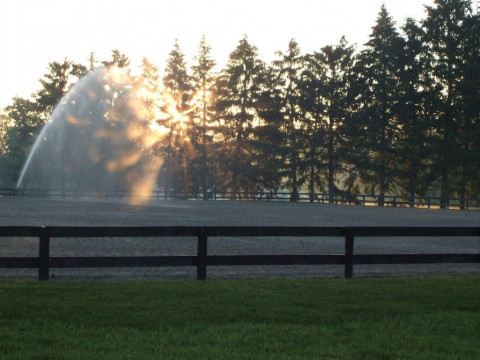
167, 119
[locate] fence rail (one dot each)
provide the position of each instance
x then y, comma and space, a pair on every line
44, 262
324, 198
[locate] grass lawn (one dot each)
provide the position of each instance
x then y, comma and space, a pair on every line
363, 318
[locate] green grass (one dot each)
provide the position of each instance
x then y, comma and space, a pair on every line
365, 318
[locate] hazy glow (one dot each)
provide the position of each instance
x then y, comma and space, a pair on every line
115, 138
34, 33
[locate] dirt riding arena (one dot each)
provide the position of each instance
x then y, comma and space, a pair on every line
32, 211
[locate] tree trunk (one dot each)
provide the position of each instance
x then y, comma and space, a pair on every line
331, 196
412, 195
381, 195
312, 183
444, 189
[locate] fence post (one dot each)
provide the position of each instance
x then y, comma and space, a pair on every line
349, 238
202, 255
44, 255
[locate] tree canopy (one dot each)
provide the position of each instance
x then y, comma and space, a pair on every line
400, 115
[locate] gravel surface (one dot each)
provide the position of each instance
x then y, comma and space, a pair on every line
31, 211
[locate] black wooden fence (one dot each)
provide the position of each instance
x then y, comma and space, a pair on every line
324, 198
202, 260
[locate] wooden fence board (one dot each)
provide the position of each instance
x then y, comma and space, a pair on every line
420, 231
226, 260
121, 261
19, 262
416, 259
202, 260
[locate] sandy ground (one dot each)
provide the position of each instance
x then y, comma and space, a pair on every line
31, 211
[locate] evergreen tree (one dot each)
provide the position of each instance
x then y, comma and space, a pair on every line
203, 81
467, 182
289, 68
474, 188
237, 94
314, 129
150, 85
268, 138
447, 37
335, 63
29, 116
153, 105
92, 62
177, 162
176, 79
413, 92
377, 122
56, 83
118, 59
25, 122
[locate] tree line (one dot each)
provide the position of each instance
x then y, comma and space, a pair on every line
399, 116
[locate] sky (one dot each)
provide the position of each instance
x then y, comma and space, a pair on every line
34, 33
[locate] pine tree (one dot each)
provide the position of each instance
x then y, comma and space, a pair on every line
335, 63
237, 94
413, 92
118, 59
376, 87
446, 37
150, 82
203, 81
92, 62
268, 138
314, 129
467, 183
289, 68
29, 116
56, 83
176, 174
153, 105
149, 92
24, 124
